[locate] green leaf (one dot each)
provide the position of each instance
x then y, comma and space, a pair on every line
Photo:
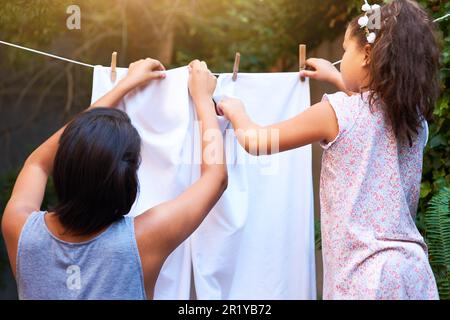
437, 141
425, 189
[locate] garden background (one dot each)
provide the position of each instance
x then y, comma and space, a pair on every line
38, 94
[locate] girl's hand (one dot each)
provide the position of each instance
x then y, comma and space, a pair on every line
323, 70
229, 106
142, 72
202, 82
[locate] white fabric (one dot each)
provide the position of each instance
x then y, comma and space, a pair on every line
258, 241
163, 115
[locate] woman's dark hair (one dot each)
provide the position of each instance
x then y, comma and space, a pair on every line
95, 170
404, 67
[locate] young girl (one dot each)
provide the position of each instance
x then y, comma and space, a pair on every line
86, 248
373, 133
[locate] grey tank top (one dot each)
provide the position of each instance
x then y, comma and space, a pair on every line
105, 267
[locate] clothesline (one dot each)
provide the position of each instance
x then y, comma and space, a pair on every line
46, 54
70, 60
92, 66
442, 18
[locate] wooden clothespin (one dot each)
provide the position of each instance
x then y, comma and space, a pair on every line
302, 59
237, 60
113, 67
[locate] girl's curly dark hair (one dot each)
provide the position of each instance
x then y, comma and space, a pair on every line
404, 67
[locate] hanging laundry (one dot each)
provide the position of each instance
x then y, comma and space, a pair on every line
258, 241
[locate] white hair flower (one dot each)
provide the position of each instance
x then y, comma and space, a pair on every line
363, 21
371, 37
366, 7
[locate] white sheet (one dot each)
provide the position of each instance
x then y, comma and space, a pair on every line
258, 241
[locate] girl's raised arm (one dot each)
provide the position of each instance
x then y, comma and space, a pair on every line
317, 123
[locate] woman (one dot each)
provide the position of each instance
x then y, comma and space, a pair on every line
86, 248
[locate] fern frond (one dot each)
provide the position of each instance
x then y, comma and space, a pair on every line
437, 234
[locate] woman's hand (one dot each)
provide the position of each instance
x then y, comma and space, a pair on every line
142, 72
139, 73
229, 106
323, 70
202, 82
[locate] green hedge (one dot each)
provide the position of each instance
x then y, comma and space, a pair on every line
436, 166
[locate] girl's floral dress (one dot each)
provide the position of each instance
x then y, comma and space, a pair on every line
369, 191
